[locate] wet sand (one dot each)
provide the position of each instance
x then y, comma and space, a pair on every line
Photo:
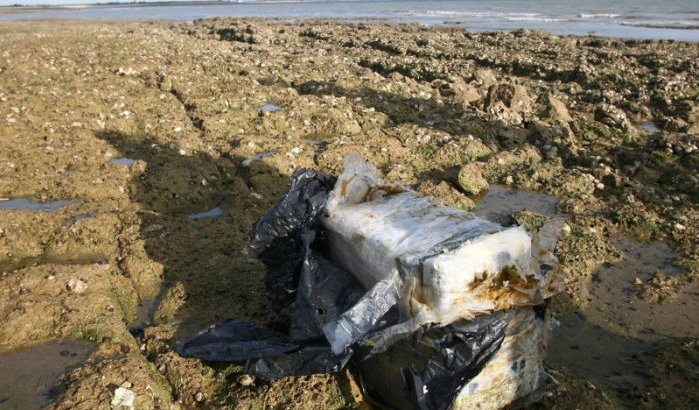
168, 140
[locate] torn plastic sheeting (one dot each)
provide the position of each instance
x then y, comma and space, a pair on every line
324, 292
266, 353
276, 237
237, 341
383, 269
515, 370
427, 370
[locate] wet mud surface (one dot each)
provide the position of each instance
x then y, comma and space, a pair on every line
170, 139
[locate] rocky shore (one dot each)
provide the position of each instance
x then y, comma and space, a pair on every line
169, 139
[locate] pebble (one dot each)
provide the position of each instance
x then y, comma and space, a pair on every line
679, 227
246, 380
637, 282
199, 396
77, 285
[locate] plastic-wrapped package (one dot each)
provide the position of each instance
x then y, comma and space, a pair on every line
434, 307
440, 264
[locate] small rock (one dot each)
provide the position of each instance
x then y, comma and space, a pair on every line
199, 396
77, 285
471, 180
558, 110
246, 380
486, 77
127, 384
637, 282
123, 398
679, 227
614, 117
509, 180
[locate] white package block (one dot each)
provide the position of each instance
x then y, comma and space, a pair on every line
370, 239
373, 229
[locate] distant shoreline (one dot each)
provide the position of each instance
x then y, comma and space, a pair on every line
29, 9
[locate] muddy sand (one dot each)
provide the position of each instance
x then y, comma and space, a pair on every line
134, 157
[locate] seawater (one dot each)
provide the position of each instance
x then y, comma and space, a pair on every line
638, 19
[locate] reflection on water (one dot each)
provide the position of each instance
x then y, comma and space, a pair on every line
29, 377
123, 161
501, 202
270, 108
650, 126
618, 333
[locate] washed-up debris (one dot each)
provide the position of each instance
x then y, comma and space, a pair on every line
435, 307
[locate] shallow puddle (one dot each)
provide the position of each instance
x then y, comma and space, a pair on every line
30, 376
76, 218
270, 108
216, 212
123, 161
615, 295
500, 203
649, 126
611, 341
147, 308
8, 265
259, 157
26, 204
